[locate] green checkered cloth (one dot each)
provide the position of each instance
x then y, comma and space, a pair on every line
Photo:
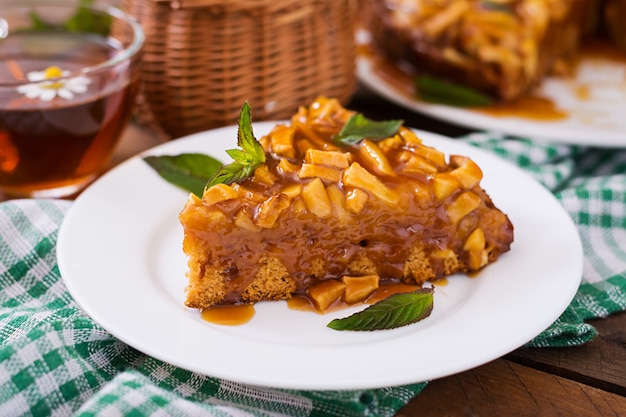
54, 360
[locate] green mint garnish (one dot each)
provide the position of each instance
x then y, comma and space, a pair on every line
360, 127
84, 20
188, 171
439, 91
394, 311
195, 172
245, 160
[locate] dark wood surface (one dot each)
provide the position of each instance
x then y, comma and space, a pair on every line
587, 380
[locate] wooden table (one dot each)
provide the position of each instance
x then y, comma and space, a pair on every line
588, 380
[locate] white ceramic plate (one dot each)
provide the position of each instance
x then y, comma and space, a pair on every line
596, 118
120, 255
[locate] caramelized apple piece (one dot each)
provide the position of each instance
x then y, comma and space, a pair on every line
444, 184
464, 204
316, 198
319, 171
356, 199
270, 209
467, 172
325, 293
338, 201
219, 192
357, 176
281, 139
333, 159
374, 158
359, 288
475, 246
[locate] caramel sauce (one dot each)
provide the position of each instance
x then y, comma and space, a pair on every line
582, 92
441, 282
526, 107
303, 303
229, 315
386, 290
239, 314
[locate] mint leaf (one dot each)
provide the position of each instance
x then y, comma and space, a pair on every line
230, 173
246, 159
444, 92
394, 311
188, 171
84, 20
360, 127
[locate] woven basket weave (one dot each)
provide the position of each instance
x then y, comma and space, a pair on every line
204, 58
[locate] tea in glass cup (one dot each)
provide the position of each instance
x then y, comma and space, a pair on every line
69, 73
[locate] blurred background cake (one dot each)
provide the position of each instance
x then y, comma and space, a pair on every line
502, 48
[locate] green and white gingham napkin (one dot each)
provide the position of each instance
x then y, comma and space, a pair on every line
55, 361
591, 185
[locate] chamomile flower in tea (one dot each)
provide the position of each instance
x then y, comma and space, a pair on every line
45, 87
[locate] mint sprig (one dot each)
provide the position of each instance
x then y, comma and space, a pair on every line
245, 160
394, 311
194, 172
84, 20
444, 92
188, 171
360, 127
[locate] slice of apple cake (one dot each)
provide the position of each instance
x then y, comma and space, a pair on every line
339, 196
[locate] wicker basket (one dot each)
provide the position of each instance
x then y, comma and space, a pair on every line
204, 58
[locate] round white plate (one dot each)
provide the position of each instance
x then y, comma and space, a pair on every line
120, 254
596, 119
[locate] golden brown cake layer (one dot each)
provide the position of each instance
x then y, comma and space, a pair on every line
317, 210
503, 48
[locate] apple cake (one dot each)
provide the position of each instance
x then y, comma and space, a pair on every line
321, 211
502, 48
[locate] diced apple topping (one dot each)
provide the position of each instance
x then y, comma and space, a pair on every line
444, 184
409, 136
357, 176
417, 164
292, 190
466, 171
435, 157
287, 168
338, 201
356, 199
219, 192
281, 139
263, 175
475, 246
391, 144
248, 194
331, 159
243, 220
270, 209
374, 158
316, 198
464, 204
358, 288
325, 293
319, 171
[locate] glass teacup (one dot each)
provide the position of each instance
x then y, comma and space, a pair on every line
69, 73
